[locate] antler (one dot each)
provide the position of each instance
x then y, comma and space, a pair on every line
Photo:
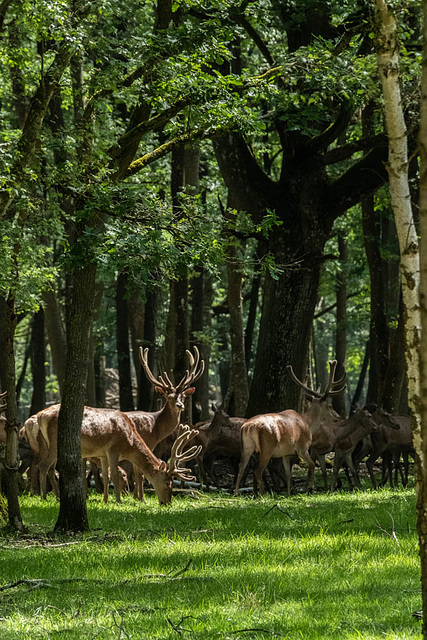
333, 388
178, 455
3, 402
165, 383
194, 372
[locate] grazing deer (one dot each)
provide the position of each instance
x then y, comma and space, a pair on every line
154, 426
111, 436
284, 434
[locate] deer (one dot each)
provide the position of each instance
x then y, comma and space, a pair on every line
111, 436
362, 423
287, 433
393, 439
154, 426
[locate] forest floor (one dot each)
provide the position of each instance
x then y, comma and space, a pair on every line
341, 566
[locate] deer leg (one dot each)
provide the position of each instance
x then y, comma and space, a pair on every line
354, 475
138, 490
258, 472
53, 481
370, 466
104, 471
246, 455
337, 466
322, 463
43, 470
288, 474
310, 474
113, 462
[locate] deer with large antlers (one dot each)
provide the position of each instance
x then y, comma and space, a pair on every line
287, 433
111, 436
154, 426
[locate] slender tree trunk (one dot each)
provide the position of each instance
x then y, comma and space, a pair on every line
122, 336
56, 335
421, 446
340, 401
238, 385
201, 316
136, 311
145, 389
72, 514
38, 369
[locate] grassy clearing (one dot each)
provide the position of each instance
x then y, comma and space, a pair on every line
327, 566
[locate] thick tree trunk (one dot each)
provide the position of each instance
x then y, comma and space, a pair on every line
38, 358
122, 337
72, 514
288, 310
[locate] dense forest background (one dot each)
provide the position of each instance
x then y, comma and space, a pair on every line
200, 175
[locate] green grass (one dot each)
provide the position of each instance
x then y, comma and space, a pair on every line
341, 566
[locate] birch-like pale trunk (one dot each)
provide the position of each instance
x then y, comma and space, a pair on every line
422, 472
397, 167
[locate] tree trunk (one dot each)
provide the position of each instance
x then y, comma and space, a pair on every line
38, 358
421, 442
8, 314
397, 167
72, 514
122, 336
201, 315
136, 311
272, 388
56, 335
145, 389
340, 401
238, 392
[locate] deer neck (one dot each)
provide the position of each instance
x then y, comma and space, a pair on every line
141, 456
166, 421
313, 416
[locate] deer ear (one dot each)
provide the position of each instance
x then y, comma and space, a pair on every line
190, 391
160, 390
163, 466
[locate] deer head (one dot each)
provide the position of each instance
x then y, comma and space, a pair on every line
162, 481
318, 408
175, 394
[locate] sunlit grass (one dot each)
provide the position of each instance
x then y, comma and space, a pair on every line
325, 566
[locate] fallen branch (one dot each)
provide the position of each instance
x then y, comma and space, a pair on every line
393, 533
276, 506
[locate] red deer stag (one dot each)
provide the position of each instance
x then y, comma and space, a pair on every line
154, 426
284, 434
111, 436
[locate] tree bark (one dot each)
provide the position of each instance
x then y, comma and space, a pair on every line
8, 313
38, 358
122, 337
201, 315
56, 335
340, 401
421, 444
73, 514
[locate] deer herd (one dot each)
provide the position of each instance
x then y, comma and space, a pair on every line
128, 446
